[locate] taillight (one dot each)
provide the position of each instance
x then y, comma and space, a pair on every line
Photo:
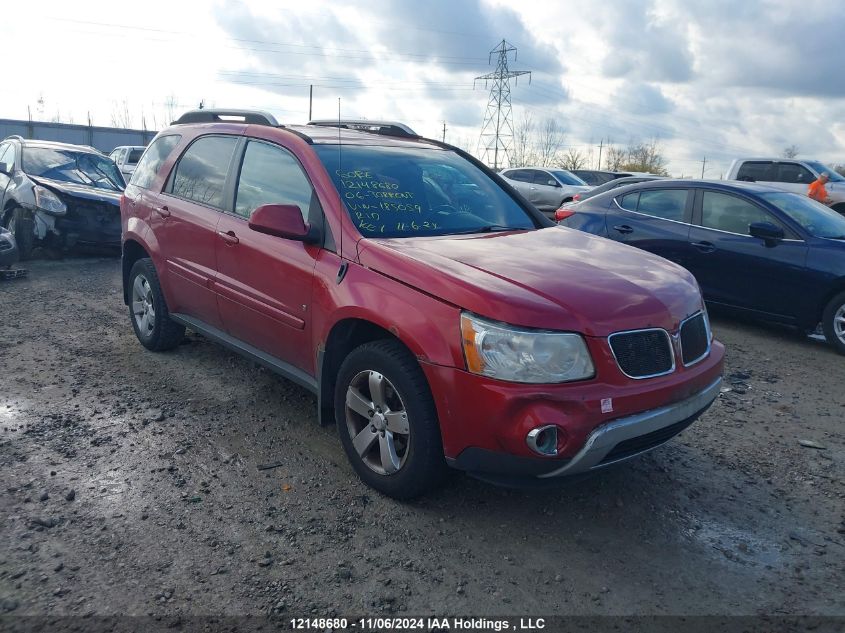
562, 214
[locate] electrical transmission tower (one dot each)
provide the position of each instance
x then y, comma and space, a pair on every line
497, 129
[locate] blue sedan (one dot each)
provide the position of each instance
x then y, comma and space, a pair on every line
773, 254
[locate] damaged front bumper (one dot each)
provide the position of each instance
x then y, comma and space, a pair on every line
85, 223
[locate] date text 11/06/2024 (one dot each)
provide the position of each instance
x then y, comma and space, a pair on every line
420, 624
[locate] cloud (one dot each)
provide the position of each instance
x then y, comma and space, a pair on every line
643, 44
780, 48
642, 99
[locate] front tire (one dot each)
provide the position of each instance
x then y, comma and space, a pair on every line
387, 420
833, 322
148, 309
22, 226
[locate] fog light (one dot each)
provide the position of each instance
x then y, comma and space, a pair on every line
543, 440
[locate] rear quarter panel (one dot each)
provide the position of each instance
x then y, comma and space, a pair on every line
590, 216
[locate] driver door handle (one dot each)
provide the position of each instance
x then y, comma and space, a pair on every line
162, 211
705, 247
229, 237
623, 228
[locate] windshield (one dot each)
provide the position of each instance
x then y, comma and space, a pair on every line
817, 219
568, 179
410, 191
821, 168
71, 166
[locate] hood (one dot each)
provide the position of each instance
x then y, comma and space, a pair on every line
79, 190
554, 278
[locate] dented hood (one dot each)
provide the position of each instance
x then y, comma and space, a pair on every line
554, 278
79, 190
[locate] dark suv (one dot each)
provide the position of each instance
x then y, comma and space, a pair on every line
439, 317
58, 195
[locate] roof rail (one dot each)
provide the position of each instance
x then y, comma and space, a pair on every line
388, 128
227, 116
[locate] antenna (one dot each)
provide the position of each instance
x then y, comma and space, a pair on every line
342, 203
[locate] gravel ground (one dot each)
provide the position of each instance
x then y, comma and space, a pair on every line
131, 484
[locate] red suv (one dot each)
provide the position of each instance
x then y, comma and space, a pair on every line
439, 318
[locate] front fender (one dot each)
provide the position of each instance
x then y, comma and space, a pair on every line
426, 325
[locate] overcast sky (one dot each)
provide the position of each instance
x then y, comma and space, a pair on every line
714, 78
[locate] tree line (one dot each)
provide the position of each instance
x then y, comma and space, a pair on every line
543, 145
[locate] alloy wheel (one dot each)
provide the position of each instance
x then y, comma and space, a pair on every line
142, 305
839, 324
377, 422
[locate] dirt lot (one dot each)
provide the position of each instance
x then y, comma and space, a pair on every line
130, 484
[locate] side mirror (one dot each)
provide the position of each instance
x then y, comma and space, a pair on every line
767, 232
283, 220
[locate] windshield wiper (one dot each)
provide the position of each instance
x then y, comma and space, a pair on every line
489, 228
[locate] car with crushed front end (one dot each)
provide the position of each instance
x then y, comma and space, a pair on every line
439, 317
58, 195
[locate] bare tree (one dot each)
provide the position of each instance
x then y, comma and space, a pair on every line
573, 158
646, 157
791, 151
120, 115
549, 141
614, 157
171, 107
523, 134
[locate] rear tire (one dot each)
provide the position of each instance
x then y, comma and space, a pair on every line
833, 322
148, 310
22, 226
387, 420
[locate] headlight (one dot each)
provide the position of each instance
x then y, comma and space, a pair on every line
510, 353
47, 201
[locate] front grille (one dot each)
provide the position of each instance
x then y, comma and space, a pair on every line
643, 353
642, 443
695, 339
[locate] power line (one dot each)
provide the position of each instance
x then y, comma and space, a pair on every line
497, 129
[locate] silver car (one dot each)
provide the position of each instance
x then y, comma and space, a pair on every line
545, 187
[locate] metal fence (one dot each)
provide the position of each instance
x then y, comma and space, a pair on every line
104, 139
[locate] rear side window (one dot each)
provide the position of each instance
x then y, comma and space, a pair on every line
667, 204
763, 170
201, 171
134, 156
728, 213
271, 175
155, 155
522, 175
542, 178
794, 173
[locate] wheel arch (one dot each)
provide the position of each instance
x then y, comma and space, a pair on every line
345, 335
132, 252
836, 288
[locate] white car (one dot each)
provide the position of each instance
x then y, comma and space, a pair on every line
545, 187
126, 157
791, 174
